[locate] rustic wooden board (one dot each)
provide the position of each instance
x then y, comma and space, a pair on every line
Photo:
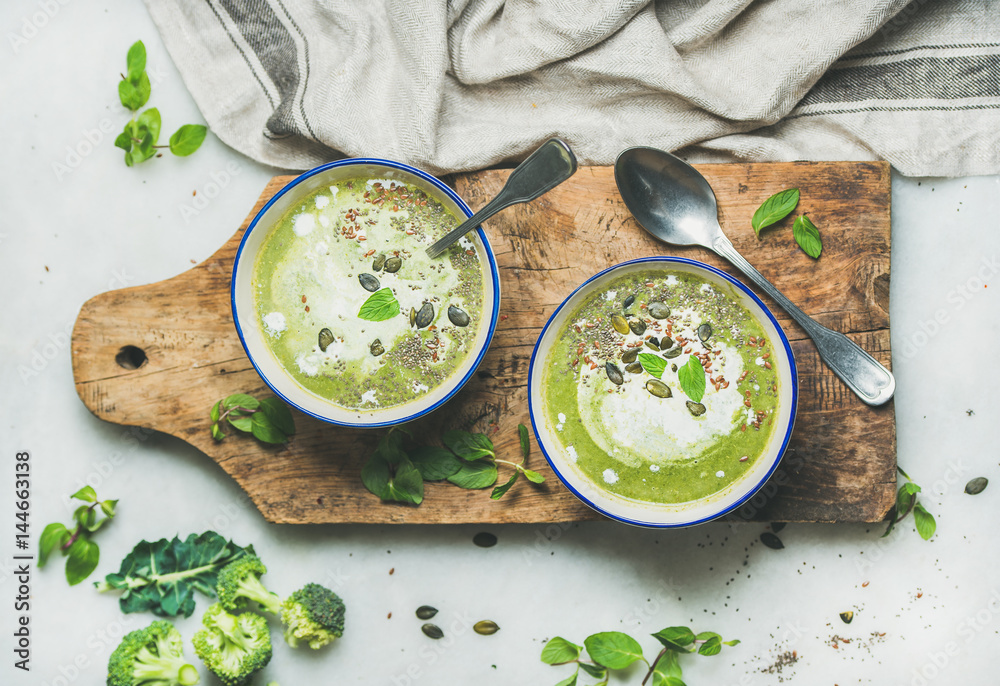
842, 458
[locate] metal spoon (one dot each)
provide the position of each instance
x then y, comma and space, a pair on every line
673, 201
551, 164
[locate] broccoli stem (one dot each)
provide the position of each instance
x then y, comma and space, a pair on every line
251, 588
151, 667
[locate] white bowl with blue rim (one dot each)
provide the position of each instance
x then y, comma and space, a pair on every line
735, 495
254, 339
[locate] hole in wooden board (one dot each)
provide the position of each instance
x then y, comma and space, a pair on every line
131, 357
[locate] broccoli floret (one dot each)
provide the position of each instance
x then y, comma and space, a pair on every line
314, 614
239, 582
234, 647
153, 656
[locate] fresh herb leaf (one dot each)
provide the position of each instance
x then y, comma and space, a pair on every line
734, 642
476, 474
469, 446
162, 576
533, 477
406, 485
242, 422
774, 209
570, 680
124, 141
668, 666
596, 671
217, 433
379, 306
522, 432
279, 414
653, 364
108, 507
142, 91
214, 413
675, 637
247, 402
136, 61
558, 650
692, 379
712, 646
667, 681
86, 494
807, 236
499, 491
435, 464
81, 560
613, 649
129, 95
150, 120
375, 474
53, 537
266, 432
924, 521
187, 139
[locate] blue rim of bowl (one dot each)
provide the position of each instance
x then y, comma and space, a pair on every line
791, 419
494, 275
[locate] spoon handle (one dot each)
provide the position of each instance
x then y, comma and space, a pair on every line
872, 382
551, 164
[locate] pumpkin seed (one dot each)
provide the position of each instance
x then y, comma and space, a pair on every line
658, 310
658, 388
484, 539
637, 326
673, 367
628, 357
614, 373
697, 409
628, 302
425, 315
458, 316
772, 541
487, 627
376, 348
847, 616
325, 339
666, 343
672, 352
620, 325
393, 264
413, 316
653, 343
704, 332
378, 262
776, 527
977, 485
432, 631
426, 612
634, 368
368, 282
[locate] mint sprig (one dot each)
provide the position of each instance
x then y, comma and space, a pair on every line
692, 379
141, 133
615, 650
81, 553
807, 236
379, 306
906, 502
269, 420
774, 209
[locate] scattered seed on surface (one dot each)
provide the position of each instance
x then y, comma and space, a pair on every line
486, 627
771, 541
426, 612
847, 616
432, 631
484, 539
977, 485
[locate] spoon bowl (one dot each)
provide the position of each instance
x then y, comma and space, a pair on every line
672, 200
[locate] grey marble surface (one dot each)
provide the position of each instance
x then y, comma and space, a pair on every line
78, 222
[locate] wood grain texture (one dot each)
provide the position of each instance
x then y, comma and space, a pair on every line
841, 462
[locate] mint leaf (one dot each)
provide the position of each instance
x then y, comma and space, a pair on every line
713, 646
435, 464
86, 494
217, 433
734, 642
406, 485
242, 422
499, 491
375, 474
247, 402
213, 414
151, 120
675, 637
82, 560
108, 507
692, 379
613, 649
774, 209
187, 139
522, 431
279, 414
469, 446
668, 667
807, 236
653, 364
53, 537
381, 305
478, 474
264, 430
533, 477
924, 520
570, 680
129, 95
596, 671
136, 61
559, 650
142, 90
124, 140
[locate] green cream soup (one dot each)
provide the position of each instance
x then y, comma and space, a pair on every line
639, 445
328, 255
